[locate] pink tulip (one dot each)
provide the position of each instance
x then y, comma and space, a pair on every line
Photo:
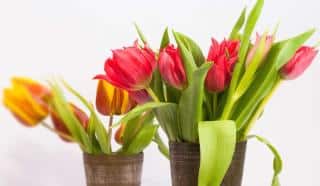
298, 63
224, 56
253, 50
171, 67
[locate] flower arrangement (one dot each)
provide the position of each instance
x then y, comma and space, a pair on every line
210, 101
213, 100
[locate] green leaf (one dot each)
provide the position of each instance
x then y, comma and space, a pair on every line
161, 146
188, 62
190, 105
157, 85
167, 118
62, 107
165, 39
134, 125
193, 47
217, 144
96, 127
141, 140
249, 74
237, 27
141, 35
290, 46
277, 161
140, 109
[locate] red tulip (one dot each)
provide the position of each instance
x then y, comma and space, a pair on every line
268, 43
60, 126
224, 56
130, 68
171, 67
298, 63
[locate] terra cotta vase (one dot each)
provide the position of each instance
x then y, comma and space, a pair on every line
185, 163
113, 170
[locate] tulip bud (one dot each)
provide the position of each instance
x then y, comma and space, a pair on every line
140, 96
224, 56
27, 100
268, 43
171, 67
119, 133
130, 68
298, 63
60, 126
111, 100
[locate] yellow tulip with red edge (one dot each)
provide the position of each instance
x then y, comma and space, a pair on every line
27, 100
111, 100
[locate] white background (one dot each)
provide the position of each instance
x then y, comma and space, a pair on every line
72, 38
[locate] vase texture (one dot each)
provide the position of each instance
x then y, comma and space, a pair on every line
185, 163
113, 170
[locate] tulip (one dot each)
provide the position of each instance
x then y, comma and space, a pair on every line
60, 126
27, 100
119, 134
171, 67
130, 68
111, 100
298, 63
268, 43
140, 96
224, 56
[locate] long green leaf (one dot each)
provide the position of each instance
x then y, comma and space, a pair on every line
98, 127
217, 144
237, 27
157, 85
188, 61
62, 107
190, 105
141, 140
277, 161
165, 39
193, 47
249, 74
161, 145
167, 118
140, 109
141, 35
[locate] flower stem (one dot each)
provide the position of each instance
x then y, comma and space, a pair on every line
162, 147
214, 105
260, 110
152, 94
66, 136
110, 131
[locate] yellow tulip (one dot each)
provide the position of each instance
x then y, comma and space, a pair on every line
27, 100
111, 100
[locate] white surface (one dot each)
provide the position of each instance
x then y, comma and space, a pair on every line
41, 38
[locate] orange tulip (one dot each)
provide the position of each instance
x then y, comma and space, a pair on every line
27, 100
60, 126
111, 100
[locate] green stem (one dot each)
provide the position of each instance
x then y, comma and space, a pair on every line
228, 108
259, 110
214, 105
152, 94
110, 131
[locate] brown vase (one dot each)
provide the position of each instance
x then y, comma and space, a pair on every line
185, 163
113, 170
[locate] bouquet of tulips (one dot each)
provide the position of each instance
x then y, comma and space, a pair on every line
31, 102
213, 100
